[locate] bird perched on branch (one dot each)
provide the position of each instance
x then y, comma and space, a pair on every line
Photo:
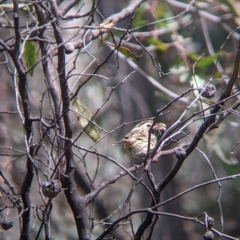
136, 141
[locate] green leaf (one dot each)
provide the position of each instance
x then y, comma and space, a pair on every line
196, 81
138, 18
30, 56
228, 159
233, 5
84, 115
204, 62
215, 144
128, 53
157, 43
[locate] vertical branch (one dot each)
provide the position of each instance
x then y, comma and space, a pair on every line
49, 73
23, 90
76, 203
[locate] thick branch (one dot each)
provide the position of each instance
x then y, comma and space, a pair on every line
49, 71
23, 90
76, 203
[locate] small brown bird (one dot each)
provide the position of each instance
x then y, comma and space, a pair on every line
136, 141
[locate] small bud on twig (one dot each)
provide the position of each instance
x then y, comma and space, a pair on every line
207, 91
51, 188
180, 153
208, 235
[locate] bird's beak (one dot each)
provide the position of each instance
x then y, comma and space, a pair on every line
159, 127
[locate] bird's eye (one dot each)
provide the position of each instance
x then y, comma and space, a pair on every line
149, 125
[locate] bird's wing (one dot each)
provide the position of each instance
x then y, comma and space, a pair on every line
132, 137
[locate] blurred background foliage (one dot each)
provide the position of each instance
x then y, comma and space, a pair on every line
190, 44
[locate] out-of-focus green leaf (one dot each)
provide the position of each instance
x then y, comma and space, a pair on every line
138, 18
233, 5
196, 81
161, 10
223, 156
232, 170
157, 43
235, 8
124, 50
128, 53
214, 141
30, 55
217, 75
83, 117
204, 62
